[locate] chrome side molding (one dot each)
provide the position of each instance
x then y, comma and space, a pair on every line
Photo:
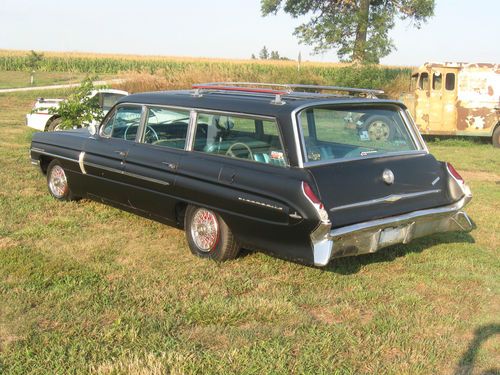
387, 199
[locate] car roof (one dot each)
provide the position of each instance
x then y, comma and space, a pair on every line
245, 102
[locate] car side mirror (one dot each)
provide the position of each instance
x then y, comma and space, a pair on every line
92, 129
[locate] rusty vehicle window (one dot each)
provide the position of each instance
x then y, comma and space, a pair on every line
450, 82
423, 83
413, 82
437, 81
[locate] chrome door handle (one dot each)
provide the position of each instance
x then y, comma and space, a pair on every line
121, 153
169, 165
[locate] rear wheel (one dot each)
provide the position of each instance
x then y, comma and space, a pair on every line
208, 235
57, 182
55, 125
495, 139
379, 128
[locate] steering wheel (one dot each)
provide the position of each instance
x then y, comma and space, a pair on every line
130, 125
230, 152
151, 136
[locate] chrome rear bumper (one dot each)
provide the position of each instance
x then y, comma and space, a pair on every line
365, 237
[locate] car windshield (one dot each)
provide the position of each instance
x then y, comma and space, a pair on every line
332, 133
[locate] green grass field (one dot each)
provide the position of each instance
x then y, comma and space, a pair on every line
13, 79
88, 288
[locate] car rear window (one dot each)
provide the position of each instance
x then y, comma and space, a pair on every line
333, 133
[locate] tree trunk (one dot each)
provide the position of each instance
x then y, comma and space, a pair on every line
359, 50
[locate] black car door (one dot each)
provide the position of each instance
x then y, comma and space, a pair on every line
105, 154
152, 162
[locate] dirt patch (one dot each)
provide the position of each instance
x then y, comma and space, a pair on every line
6, 242
480, 176
323, 315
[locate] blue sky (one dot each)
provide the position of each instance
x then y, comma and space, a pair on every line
462, 30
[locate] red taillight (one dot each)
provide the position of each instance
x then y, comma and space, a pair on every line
454, 173
318, 206
309, 193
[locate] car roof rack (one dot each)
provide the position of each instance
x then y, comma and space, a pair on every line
279, 90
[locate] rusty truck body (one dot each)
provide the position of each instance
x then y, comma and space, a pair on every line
456, 99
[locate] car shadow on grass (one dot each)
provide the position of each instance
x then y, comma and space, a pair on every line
468, 360
353, 264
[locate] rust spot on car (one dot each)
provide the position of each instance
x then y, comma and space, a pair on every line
474, 118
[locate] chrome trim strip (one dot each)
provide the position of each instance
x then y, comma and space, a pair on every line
36, 149
141, 133
296, 126
58, 156
387, 199
113, 170
371, 156
262, 204
81, 158
191, 131
206, 110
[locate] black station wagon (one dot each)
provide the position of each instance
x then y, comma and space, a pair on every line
302, 172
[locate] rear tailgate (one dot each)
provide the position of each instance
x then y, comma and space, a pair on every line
354, 191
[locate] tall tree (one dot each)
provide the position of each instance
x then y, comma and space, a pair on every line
274, 55
358, 29
264, 53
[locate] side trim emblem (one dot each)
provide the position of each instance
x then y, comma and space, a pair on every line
81, 157
388, 176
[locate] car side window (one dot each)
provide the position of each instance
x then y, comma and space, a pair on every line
245, 138
124, 123
166, 127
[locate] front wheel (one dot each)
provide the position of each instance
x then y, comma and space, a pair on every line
57, 182
55, 125
208, 235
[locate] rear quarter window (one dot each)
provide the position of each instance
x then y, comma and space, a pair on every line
348, 133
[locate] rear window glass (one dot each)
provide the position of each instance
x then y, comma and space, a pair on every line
347, 133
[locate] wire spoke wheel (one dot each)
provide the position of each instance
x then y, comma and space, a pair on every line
205, 230
58, 184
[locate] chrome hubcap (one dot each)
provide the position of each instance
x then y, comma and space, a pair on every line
57, 181
378, 131
205, 230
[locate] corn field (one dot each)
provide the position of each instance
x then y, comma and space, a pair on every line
373, 76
